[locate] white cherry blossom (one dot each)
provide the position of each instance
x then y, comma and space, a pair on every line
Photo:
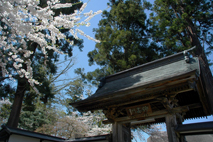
26, 21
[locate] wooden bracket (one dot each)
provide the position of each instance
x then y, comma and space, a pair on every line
112, 113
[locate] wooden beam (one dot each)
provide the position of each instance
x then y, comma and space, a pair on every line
156, 114
142, 121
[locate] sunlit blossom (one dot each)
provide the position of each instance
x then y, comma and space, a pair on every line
27, 21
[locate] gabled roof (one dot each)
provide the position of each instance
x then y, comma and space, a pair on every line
141, 79
7, 131
145, 75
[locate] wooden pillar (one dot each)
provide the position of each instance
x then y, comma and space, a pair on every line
120, 133
116, 131
179, 119
127, 132
170, 126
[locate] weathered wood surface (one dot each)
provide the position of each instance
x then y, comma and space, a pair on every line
121, 133
143, 109
175, 85
203, 98
150, 75
156, 114
171, 123
207, 83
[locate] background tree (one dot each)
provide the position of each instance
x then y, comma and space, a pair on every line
125, 40
38, 110
77, 125
183, 24
42, 114
180, 25
155, 132
32, 37
66, 127
74, 92
5, 105
41, 69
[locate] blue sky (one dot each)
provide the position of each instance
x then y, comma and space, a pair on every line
82, 59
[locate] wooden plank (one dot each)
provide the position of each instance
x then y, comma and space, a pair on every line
142, 121
137, 121
143, 109
156, 114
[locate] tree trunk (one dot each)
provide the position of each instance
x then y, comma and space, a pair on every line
17, 104
19, 95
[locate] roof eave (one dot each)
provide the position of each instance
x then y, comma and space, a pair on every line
107, 97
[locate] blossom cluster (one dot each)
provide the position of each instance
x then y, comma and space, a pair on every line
92, 121
22, 21
5, 102
76, 126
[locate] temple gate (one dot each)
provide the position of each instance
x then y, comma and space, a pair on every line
170, 90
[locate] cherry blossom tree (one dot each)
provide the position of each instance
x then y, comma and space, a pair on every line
76, 125
27, 28
155, 131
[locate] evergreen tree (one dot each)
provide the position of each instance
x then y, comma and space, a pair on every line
182, 24
74, 93
41, 115
123, 32
5, 106
125, 40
